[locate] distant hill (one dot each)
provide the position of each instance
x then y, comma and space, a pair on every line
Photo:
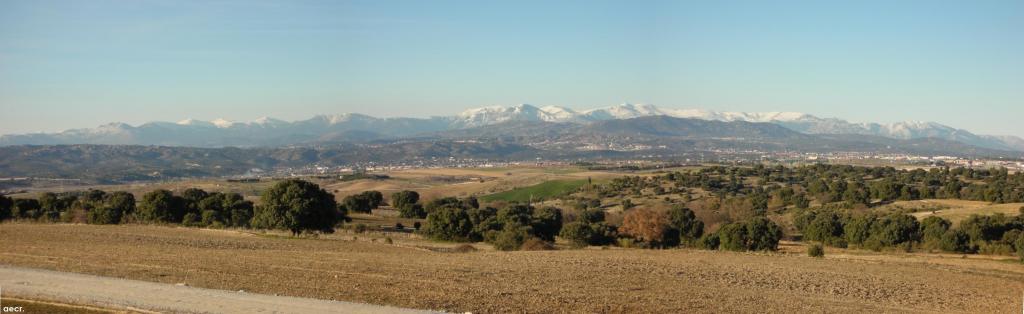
268, 132
640, 137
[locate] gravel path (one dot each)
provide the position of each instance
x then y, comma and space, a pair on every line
146, 296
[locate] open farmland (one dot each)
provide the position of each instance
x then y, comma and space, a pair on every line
416, 274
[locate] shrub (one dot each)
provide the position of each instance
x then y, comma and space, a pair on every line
815, 250
511, 238
388, 240
359, 228
1019, 244
709, 241
297, 206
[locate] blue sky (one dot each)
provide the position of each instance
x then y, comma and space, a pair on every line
70, 64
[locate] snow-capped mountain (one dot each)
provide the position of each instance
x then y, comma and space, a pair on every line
352, 126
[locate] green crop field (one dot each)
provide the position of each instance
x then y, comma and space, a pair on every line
536, 192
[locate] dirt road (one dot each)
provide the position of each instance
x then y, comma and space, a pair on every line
145, 296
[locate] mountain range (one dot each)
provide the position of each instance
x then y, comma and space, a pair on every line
351, 127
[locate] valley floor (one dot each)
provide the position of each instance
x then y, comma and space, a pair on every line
414, 273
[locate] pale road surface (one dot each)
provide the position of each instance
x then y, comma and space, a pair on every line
123, 294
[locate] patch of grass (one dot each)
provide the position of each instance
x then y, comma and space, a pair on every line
536, 192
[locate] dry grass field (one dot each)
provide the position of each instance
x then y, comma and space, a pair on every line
420, 274
953, 210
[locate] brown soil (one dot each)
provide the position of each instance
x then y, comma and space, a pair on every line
589, 280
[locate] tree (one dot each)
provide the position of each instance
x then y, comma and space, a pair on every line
515, 215
733, 237
825, 227
25, 208
683, 219
190, 198
757, 234
112, 209
297, 206
358, 203
933, 228
984, 228
894, 229
547, 222
412, 211
512, 238
5, 207
161, 206
858, 229
449, 224
650, 226
955, 240
404, 199
764, 234
375, 198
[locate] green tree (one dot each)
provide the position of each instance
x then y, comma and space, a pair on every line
933, 228
297, 206
826, 227
112, 209
449, 224
894, 229
161, 206
683, 219
547, 222
858, 229
404, 199
955, 240
764, 234
733, 237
